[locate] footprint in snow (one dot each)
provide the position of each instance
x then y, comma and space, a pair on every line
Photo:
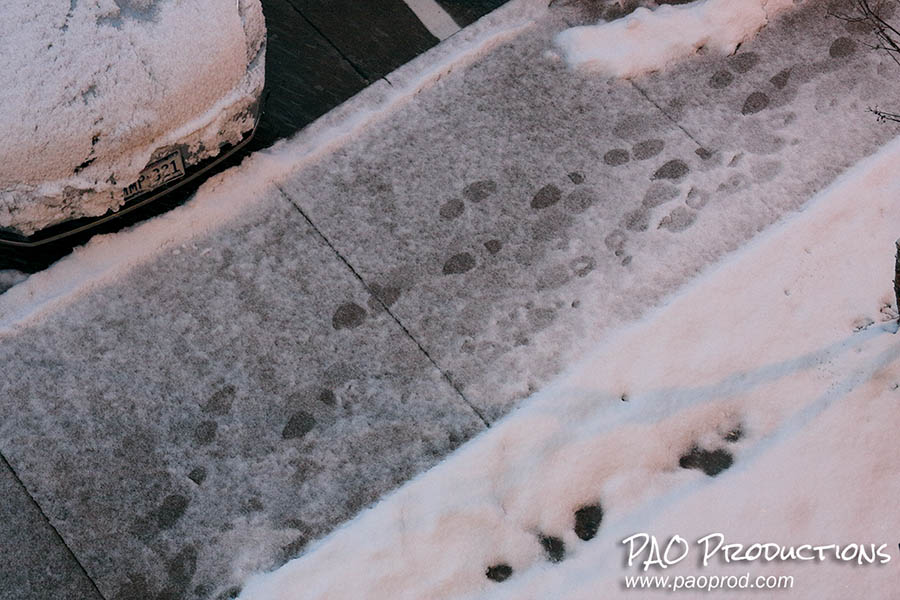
589, 517
554, 548
733, 435
587, 523
499, 572
711, 462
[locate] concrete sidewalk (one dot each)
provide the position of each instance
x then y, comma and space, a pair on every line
222, 406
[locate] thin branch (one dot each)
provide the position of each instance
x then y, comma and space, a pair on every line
884, 116
887, 36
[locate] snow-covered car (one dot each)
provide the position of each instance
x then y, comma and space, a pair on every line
108, 104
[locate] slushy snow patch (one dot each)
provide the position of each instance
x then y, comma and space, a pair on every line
760, 403
648, 40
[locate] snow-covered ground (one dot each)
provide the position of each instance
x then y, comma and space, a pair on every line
757, 373
757, 407
760, 403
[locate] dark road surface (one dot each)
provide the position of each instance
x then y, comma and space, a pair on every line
320, 53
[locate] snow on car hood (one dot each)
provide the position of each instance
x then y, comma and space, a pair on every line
93, 87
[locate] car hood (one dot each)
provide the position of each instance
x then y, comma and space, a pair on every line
93, 87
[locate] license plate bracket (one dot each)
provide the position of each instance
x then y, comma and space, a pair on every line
156, 174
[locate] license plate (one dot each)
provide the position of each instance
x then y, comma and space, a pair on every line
157, 174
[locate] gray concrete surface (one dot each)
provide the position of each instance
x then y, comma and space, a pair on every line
218, 409
518, 209
222, 406
34, 561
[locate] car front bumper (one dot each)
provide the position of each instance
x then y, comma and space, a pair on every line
194, 170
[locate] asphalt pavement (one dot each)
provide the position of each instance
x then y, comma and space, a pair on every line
321, 53
223, 405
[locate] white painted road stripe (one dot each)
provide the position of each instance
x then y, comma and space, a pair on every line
439, 23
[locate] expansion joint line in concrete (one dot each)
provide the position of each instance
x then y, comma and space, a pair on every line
353, 65
387, 310
665, 114
52, 527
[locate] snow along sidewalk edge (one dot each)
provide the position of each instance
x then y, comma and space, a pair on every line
227, 196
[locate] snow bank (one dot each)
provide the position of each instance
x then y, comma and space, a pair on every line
648, 40
782, 360
93, 89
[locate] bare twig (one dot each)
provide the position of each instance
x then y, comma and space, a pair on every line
883, 116
897, 278
871, 14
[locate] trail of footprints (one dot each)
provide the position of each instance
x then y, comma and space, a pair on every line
671, 173
666, 184
588, 518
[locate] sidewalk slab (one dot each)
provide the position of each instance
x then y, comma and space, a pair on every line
519, 209
34, 562
755, 418
218, 408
